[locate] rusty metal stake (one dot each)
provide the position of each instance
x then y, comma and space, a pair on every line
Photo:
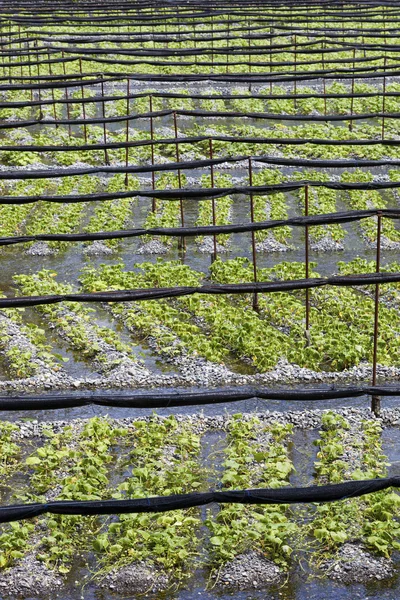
227, 45
295, 72
181, 243
307, 245
127, 131
52, 94
83, 105
214, 221
153, 175
253, 238
352, 92
103, 108
384, 100
66, 97
375, 400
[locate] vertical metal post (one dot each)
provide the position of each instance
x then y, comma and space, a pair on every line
103, 108
83, 104
52, 94
270, 60
194, 42
384, 100
227, 45
39, 90
295, 72
375, 400
212, 40
253, 237
307, 245
20, 47
214, 221
153, 175
249, 53
66, 98
352, 92
181, 243
127, 130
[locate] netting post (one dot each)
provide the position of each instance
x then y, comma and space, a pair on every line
352, 92
270, 60
66, 98
52, 93
212, 40
384, 100
39, 90
214, 221
253, 237
153, 175
20, 47
307, 245
375, 400
127, 131
295, 72
249, 54
194, 42
227, 45
29, 67
181, 243
103, 110
83, 104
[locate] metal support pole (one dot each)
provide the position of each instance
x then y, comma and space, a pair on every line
253, 238
83, 105
153, 175
52, 94
384, 100
375, 400
352, 92
127, 131
307, 246
66, 97
181, 243
295, 72
103, 108
214, 221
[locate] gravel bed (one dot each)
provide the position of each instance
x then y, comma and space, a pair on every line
155, 246
201, 423
270, 244
136, 578
327, 244
40, 249
354, 564
247, 571
45, 374
29, 578
207, 246
97, 248
194, 371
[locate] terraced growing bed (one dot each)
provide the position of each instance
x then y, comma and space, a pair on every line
150, 146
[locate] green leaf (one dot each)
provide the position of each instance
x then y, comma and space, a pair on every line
32, 460
217, 540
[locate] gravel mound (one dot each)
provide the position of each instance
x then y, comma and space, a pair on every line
327, 244
207, 246
40, 249
29, 578
137, 578
270, 244
354, 564
96, 248
152, 247
248, 571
